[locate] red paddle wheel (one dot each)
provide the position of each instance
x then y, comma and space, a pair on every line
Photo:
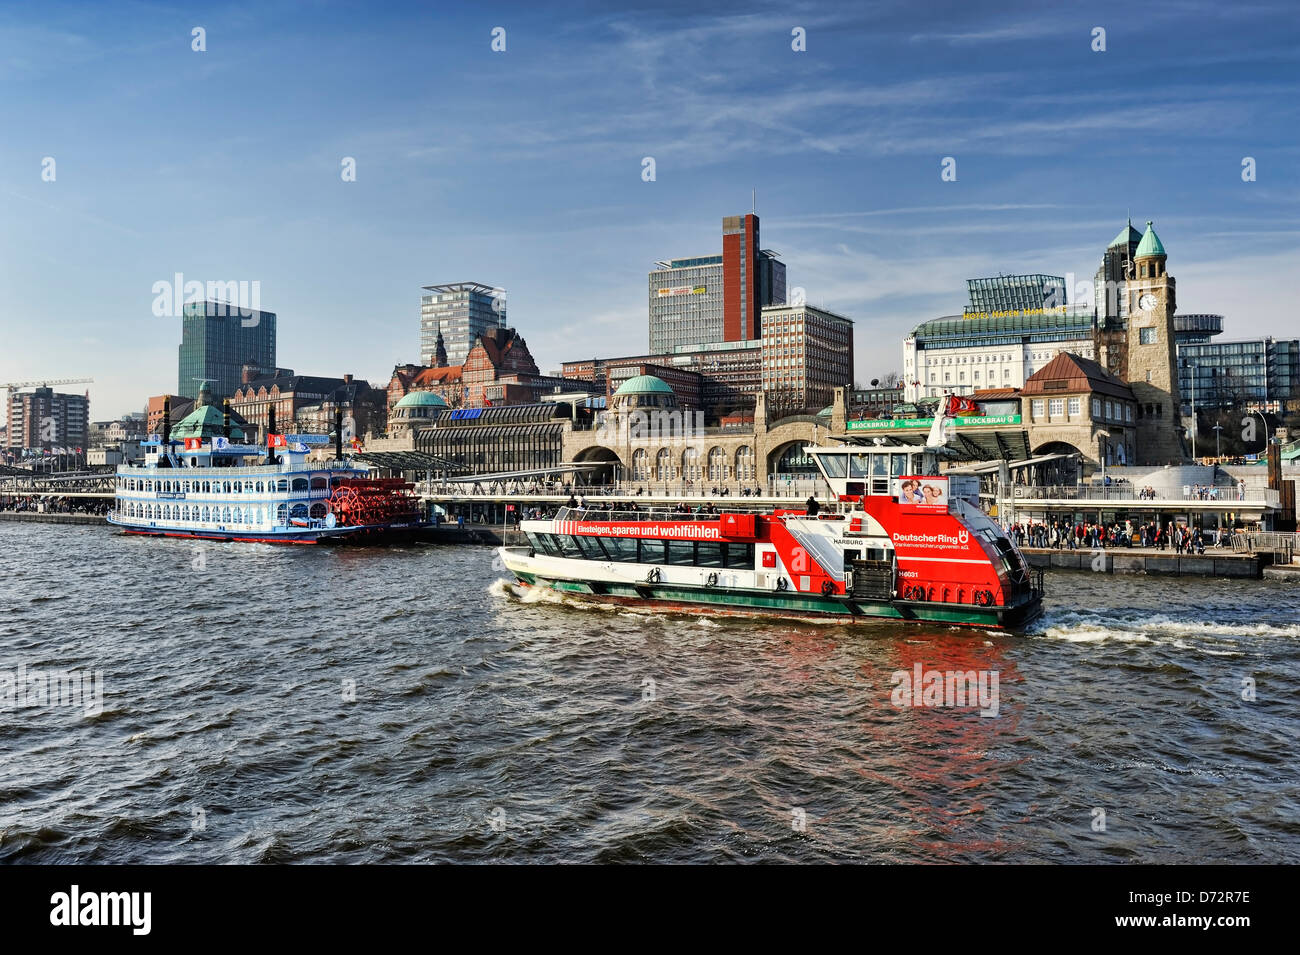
374, 501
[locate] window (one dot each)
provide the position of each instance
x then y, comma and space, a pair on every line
681, 553
1037, 407
1075, 406
1056, 407
1128, 413
1146, 336
1096, 407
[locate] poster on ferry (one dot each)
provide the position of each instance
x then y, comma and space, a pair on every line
922, 495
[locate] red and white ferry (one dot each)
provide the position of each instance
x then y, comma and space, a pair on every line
902, 543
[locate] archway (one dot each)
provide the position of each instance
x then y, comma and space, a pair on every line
607, 473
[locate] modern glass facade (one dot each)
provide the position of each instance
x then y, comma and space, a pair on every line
686, 303
1014, 293
462, 311
1226, 374
217, 342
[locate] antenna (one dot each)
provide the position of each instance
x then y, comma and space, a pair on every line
753, 201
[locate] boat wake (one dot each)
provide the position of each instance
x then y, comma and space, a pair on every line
1096, 627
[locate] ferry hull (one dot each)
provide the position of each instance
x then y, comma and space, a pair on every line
748, 602
376, 534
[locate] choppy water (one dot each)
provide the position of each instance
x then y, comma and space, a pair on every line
490, 727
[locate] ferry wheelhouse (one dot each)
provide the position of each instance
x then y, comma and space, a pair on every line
902, 542
202, 482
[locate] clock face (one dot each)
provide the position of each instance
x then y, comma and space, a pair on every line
1147, 302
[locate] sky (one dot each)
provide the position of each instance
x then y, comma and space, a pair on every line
523, 168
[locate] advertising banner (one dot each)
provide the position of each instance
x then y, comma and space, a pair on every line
923, 495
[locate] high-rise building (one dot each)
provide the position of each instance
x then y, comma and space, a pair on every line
44, 420
217, 342
807, 353
460, 312
715, 298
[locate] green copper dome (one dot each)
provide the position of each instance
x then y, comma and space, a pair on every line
421, 399
643, 384
206, 421
1150, 244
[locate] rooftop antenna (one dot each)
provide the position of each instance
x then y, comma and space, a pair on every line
753, 201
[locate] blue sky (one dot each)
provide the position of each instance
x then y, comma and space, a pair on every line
523, 168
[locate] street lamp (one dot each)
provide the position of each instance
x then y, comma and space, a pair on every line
1217, 428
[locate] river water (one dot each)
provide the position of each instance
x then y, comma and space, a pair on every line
274, 704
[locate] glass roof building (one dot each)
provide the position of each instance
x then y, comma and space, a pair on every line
462, 311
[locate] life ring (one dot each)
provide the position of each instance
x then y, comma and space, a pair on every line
711, 580
654, 576
984, 598
828, 588
782, 584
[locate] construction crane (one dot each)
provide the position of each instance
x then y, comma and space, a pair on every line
15, 385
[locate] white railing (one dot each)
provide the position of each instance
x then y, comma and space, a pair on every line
1131, 493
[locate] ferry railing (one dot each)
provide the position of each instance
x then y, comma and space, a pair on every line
659, 514
1131, 492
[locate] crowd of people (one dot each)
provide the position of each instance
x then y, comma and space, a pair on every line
59, 504
1063, 535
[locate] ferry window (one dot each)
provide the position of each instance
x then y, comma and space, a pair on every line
620, 548
248, 487
835, 465
300, 484
681, 553
318, 511
282, 485
533, 540
319, 484
739, 555
709, 554
590, 547
259, 487
897, 465
282, 513
858, 465
567, 546
652, 551
549, 544
879, 465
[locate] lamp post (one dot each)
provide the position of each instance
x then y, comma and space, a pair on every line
1102, 438
1217, 429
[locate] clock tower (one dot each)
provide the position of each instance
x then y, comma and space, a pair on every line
1151, 355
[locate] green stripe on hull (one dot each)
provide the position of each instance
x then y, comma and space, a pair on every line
778, 602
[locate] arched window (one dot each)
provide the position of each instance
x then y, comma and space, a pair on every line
745, 464
237, 517
248, 487
319, 482
640, 465
225, 515
318, 511
282, 485
664, 465
691, 464
167, 512
259, 487
298, 512
185, 513
207, 513
717, 464
300, 484
282, 513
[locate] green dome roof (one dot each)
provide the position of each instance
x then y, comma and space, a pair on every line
206, 421
643, 384
1150, 244
1126, 236
421, 399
